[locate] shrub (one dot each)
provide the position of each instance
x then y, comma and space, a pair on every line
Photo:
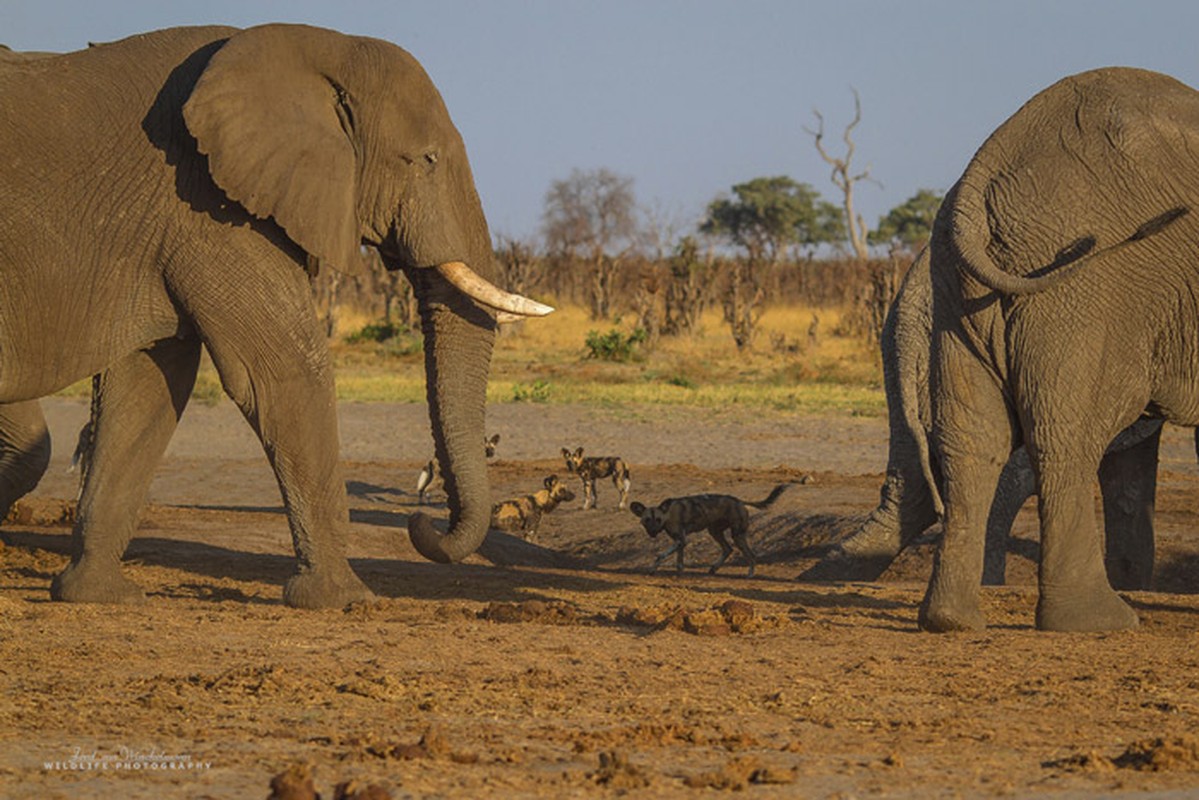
539, 392
395, 339
614, 345
375, 332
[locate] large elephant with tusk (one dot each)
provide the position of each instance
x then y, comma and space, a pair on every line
177, 189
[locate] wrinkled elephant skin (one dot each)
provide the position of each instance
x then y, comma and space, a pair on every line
175, 190
1063, 275
1127, 475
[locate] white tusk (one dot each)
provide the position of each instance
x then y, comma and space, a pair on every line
469, 283
507, 317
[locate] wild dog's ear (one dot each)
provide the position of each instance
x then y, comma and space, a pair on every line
636, 508
551, 481
579, 452
273, 122
565, 453
494, 440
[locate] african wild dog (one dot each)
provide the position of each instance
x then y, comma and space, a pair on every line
430, 473
523, 514
592, 467
679, 516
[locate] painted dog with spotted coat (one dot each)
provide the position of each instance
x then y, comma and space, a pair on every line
589, 468
717, 513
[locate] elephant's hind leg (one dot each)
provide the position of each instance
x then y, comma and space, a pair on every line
1128, 479
1074, 591
137, 407
973, 435
24, 451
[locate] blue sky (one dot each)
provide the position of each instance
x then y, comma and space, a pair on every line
689, 97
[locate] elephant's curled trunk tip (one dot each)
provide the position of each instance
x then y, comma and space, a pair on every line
438, 547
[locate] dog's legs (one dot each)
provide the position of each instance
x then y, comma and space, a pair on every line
742, 542
666, 554
726, 549
622, 485
531, 525
588, 493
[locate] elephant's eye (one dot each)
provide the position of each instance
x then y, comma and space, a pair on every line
430, 158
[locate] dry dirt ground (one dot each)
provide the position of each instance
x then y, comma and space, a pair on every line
561, 668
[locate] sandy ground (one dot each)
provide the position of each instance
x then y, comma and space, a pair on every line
561, 667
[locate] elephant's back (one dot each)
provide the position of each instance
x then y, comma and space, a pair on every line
104, 85
1066, 169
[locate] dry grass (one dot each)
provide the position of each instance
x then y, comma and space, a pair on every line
793, 366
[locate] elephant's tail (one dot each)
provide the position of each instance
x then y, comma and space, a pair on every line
907, 364
971, 234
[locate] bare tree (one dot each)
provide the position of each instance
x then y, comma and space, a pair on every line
592, 216
689, 289
518, 263
844, 178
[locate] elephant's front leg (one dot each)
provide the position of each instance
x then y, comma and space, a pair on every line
973, 435
262, 333
1074, 591
137, 407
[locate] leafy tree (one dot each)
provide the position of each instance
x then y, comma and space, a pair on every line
910, 223
592, 216
767, 216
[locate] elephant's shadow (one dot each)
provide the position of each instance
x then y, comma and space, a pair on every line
503, 579
373, 492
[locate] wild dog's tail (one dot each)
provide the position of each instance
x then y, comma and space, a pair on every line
774, 495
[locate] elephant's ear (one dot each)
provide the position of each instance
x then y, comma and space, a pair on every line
271, 124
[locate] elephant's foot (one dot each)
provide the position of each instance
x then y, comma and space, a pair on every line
839, 565
84, 581
940, 616
864, 556
325, 588
1083, 611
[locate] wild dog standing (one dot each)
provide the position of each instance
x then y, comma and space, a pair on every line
523, 514
679, 516
430, 473
592, 467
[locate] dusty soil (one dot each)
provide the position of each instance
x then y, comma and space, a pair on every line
561, 667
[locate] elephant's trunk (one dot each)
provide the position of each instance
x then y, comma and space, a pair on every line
458, 342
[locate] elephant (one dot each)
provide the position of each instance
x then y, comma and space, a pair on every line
177, 190
1127, 474
1064, 293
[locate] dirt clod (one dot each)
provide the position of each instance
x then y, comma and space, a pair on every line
294, 783
732, 616
539, 611
1180, 753
356, 790
615, 772
738, 774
